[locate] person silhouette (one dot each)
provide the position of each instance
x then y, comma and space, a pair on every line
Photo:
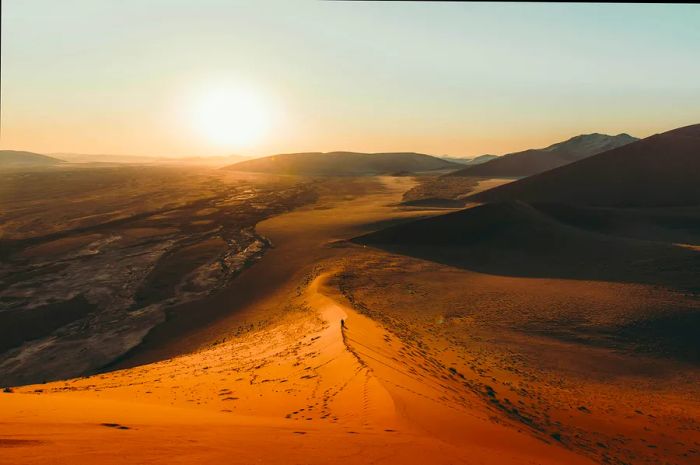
342, 324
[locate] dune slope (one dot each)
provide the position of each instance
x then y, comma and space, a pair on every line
17, 158
344, 163
279, 395
661, 170
518, 239
533, 161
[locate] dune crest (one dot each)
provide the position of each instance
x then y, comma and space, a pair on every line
306, 380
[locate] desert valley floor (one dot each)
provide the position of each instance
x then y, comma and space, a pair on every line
331, 351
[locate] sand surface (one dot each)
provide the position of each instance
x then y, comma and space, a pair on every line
278, 379
305, 391
115, 250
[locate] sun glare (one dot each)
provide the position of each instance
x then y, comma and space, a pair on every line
231, 117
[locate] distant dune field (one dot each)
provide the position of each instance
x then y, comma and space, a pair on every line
533, 161
16, 158
344, 164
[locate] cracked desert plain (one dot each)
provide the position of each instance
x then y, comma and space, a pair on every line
329, 352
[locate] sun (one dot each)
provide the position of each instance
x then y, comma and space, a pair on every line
230, 117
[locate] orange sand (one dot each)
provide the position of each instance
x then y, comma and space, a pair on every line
304, 391
299, 389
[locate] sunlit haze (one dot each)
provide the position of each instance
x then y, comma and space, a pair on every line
229, 116
181, 78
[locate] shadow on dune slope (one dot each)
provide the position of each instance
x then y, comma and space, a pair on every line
518, 239
574, 243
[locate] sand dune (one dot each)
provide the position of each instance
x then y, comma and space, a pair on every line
89, 158
533, 161
519, 239
16, 158
661, 170
455, 189
280, 395
446, 191
547, 353
344, 163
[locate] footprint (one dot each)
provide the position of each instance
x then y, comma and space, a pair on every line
114, 425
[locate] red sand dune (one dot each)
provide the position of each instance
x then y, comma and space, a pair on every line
661, 170
533, 161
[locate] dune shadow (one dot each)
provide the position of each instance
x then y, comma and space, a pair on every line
534, 241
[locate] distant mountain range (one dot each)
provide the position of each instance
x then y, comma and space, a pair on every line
214, 161
660, 170
344, 163
341, 163
533, 161
16, 158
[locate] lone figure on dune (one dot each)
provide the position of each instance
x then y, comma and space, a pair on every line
342, 324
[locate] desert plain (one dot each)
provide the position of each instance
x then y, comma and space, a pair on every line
327, 349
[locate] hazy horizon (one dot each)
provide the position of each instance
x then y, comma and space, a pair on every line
244, 155
178, 79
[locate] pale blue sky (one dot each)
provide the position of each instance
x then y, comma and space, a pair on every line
463, 79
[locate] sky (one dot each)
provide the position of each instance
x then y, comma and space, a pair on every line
197, 78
